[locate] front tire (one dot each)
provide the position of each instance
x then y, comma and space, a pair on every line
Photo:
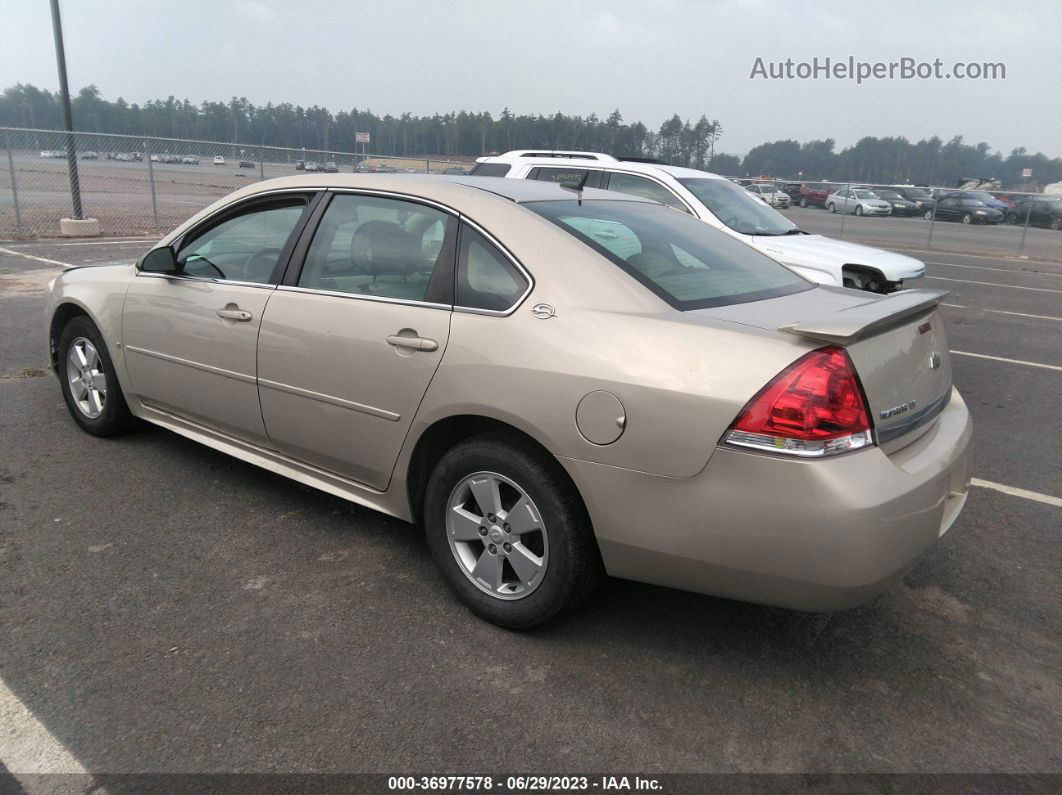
831, 207
859, 209
509, 531
88, 381
967, 218
928, 215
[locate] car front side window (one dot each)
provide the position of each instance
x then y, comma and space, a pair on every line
646, 188
384, 248
245, 247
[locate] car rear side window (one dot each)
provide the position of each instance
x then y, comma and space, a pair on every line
382, 247
490, 169
486, 279
684, 261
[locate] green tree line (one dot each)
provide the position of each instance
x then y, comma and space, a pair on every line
462, 133
458, 133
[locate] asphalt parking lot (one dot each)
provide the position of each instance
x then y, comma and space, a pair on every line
166, 608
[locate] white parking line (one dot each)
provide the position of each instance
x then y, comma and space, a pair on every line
1001, 270
1008, 361
1036, 496
14, 253
994, 284
26, 746
1023, 314
125, 241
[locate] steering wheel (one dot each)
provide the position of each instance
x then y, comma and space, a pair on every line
266, 256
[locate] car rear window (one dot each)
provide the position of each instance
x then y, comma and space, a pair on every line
490, 169
686, 262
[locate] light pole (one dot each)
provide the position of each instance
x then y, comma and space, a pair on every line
68, 123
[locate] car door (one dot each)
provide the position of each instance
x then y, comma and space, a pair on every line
948, 208
352, 338
190, 336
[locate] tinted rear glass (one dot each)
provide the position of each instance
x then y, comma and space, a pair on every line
684, 261
490, 169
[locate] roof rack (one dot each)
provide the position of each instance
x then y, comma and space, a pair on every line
650, 160
559, 154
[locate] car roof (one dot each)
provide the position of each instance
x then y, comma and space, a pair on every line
561, 158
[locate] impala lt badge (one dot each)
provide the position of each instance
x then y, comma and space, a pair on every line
903, 408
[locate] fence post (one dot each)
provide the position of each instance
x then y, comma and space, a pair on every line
427, 166
844, 210
261, 164
1024, 232
151, 179
14, 185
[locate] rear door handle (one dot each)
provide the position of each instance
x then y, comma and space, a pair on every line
241, 315
413, 343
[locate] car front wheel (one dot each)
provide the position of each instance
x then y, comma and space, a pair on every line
88, 381
967, 218
859, 209
831, 207
509, 531
928, 215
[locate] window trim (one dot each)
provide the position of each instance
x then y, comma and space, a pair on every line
312, 197
507, 255
290, 280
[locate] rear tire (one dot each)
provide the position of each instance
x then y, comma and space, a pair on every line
88, 381
1056, 224
502, 587
928, 215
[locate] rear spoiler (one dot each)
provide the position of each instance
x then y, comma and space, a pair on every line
861, 320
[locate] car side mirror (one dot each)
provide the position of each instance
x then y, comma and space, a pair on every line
161, 260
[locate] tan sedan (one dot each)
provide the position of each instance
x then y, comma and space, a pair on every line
558, 384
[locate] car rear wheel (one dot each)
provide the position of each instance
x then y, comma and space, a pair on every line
1056, 224
509, 531
928, 215
88, 381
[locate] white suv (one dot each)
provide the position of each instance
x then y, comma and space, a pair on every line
719, 202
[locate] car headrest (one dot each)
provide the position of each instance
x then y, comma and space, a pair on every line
380, 247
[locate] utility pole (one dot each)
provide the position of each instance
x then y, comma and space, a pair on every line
68, 122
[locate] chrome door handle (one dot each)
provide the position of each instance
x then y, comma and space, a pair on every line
242, 315
413, 343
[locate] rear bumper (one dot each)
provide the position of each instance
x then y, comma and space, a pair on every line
809, 535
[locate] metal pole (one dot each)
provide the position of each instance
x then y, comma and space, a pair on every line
1024, 232
261, 163
844, 210
68, 122
932, 222
427, 166
14, 186
151, 179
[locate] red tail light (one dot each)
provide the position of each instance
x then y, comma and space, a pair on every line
814, 407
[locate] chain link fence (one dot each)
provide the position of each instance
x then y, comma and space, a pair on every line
979, 218
137, 185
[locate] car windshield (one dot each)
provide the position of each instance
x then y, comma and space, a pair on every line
684, 261
981, 195
973, 203
864, 194
737, 209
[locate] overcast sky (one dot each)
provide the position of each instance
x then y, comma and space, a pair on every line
650, 58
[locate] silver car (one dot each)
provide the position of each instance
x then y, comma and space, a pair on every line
857, 201
771, 195
557, 383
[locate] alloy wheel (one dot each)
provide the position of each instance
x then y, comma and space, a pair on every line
497, 535
84, 374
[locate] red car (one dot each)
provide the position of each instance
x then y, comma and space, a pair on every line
813, 195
